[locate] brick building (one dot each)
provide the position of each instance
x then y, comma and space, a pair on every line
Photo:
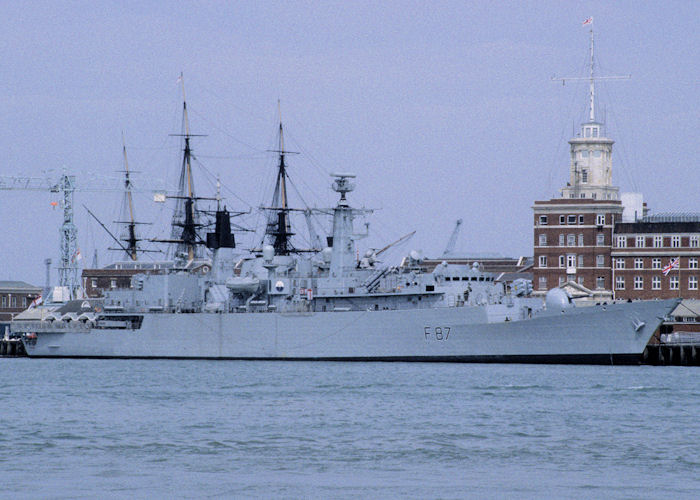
642, 249
573, 239
573, 234
118, 275
15, 297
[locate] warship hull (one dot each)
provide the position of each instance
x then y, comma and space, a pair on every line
606, 334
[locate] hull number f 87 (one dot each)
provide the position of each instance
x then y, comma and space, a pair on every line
439, 333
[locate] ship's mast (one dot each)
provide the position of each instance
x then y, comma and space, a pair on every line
130, 239
185, 215
279, 229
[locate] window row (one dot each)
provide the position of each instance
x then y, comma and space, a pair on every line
673, 281
571, 240
638, 263
674, 241
11, 301
572, 219
571, 260
594, 195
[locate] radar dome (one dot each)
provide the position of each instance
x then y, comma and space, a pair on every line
558, 299
268, 252
326, 254
416, 255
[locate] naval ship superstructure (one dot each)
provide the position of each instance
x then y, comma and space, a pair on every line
332, 305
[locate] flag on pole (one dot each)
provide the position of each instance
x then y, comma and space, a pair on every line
588, 21
36, 302
674, 264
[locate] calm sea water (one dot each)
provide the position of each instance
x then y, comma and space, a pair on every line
150, 429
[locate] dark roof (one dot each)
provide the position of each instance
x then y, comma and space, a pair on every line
657, 227
577, 201
18, 286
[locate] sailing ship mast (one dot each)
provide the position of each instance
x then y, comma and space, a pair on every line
128, 209
185, 217
279, 229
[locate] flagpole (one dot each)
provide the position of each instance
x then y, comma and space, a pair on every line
679, 277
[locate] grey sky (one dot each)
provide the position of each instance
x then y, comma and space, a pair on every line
443, 109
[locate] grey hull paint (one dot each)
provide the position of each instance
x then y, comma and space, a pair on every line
600, 334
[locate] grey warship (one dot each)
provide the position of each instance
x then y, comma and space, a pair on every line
330, 305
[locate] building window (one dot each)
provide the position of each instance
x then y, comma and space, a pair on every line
543, 240
543, 261
14, 301
571, 219
584, 153
113, 283
638, 283
619, 263
571, 240
562, 280
561, 240
675, 241
639, 263
600, 239
543, 283
600, 283
600, 219
580, 280
580, 261
4, 301
658, 241
571, 260
656, 283
580, 219
695, 241
673, 282
584, 176
692, 282
580, 239
93, 282
693, 263
656, 263
562, 220
24, 302
600, 260
543, 220
619, 282
562, 262
621, 241
640, 242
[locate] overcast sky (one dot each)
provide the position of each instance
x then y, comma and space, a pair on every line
444, 110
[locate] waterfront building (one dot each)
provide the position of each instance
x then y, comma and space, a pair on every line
573, 233
657, 257
118, 274
15, 297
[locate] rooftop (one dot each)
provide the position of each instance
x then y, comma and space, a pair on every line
18, 286
672, 217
